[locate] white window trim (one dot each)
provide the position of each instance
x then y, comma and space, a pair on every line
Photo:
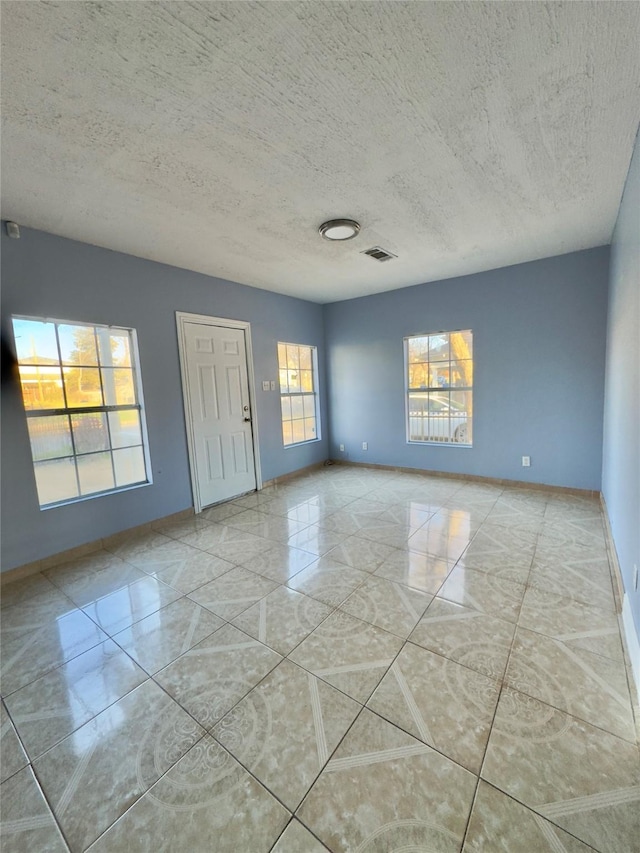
143, 416
405, 346
315, 394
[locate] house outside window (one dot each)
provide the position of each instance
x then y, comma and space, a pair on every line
298, 371
83, 402
439, 388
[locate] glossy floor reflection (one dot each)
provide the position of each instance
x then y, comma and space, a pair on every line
356, 660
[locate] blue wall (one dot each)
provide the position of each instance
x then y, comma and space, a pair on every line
621, 457
539, 350
47, 276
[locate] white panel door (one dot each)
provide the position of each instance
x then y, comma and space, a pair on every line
218, 392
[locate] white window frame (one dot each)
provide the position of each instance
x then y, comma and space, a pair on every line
314, 370
103, 409
444, 442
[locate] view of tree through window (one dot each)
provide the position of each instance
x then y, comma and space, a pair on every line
298, 389
80, 393
440, 387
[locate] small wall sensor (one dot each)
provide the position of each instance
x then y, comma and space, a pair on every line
13, 230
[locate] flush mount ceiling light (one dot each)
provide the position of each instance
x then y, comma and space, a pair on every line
339, 229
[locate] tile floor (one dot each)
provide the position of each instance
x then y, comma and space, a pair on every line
357, 660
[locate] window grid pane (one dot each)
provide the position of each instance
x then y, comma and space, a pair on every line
68, 366
436, 365
296, 366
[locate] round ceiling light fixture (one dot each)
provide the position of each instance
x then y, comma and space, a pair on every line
339, 229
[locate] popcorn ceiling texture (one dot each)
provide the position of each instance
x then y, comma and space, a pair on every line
218, 136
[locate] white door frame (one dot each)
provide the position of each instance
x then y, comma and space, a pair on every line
182, 318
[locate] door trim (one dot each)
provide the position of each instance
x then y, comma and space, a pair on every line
182, 318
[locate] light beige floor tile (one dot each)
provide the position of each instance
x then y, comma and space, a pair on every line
203, 536
499, 824
170, 549
445, 704
94, 775
559, 543
583, 531
92, 577
211, 677
495, 547
485, 592
348, 653
129, 547
159, 639
391, 533
388, 605
274, 527
31, 603
285, 729
316, 539
282, 619
349, 522
47, 710
190, 572
474, 639
583, 684
328, 581
206, 799
571, 621
233, 592
27, 822
237, 549
131, 603
183, 527
363, 554
587, 580
581, 778
12, 755
280, 563
418, 571
430, 540
222, 512
28, 653
34, 590
297, 839
385, 790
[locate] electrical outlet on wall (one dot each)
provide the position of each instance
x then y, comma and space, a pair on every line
342, 448
526, 461
365, 445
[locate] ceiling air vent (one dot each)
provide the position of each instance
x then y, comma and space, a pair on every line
379, 254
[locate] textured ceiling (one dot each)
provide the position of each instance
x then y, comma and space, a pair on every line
217, 136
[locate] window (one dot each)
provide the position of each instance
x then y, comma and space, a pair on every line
81, 393
439, 375
298, 369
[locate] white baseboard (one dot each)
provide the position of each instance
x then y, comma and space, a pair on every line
633, 643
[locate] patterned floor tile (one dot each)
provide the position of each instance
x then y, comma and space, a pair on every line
583, 684
583, 779
385, 790
48, 709
159, 639
12, 755
211, 677
282, 619
206, 795
233, 592
448, 706
94, 775
391, 606
499, 824
286, 728
474, 639
348, 653
27, 822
